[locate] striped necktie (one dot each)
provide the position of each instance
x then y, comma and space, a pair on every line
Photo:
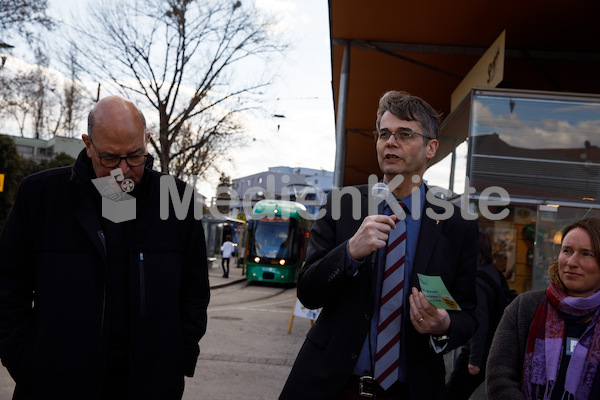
390, 309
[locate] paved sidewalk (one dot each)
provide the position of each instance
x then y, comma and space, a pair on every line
215, 274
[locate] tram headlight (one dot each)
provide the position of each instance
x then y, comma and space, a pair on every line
282, 262
257, 259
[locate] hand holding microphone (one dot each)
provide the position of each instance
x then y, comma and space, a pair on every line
372, 234
381, 191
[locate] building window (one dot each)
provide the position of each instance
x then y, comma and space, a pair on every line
22, 149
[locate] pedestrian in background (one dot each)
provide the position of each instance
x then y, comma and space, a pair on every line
547, 345
469, 366
227, 249
96, 309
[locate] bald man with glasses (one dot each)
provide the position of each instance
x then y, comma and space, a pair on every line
91, 308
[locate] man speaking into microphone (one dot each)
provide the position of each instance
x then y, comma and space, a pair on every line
378, 335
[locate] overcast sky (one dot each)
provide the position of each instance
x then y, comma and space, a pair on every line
303, 133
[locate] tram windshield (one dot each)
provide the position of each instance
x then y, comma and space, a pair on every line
273, 239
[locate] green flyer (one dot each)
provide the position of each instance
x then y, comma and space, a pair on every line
435, 291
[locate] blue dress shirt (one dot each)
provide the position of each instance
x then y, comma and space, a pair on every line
366, 360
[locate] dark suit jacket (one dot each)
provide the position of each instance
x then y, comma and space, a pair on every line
446, 248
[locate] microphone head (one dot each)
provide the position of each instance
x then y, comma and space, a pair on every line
380, 191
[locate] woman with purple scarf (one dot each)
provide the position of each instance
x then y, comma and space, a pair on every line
547, 345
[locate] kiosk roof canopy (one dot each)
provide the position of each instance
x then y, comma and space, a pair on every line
427, 47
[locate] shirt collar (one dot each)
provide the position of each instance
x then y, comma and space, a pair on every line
408, 200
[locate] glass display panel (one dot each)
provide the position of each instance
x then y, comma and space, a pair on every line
538, 148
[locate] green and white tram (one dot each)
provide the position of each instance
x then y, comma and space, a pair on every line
277, 240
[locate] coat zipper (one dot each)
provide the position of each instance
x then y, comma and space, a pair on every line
142, 286
100, 375
103, 240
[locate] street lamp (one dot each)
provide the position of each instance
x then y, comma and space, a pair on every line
278, 116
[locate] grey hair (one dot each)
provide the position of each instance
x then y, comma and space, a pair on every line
410, 108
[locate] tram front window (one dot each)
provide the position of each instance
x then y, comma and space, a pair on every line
273, 239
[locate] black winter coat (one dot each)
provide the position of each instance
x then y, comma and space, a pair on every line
54, 322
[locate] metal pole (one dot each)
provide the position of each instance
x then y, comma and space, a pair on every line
452, 166
340, 132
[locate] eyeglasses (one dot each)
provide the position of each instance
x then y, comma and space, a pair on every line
111, 161
132, 161
402, 135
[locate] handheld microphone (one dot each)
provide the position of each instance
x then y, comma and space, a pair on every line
381, 191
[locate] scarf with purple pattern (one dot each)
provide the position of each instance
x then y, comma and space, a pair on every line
545, 347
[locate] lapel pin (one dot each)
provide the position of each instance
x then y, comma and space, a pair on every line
437, 221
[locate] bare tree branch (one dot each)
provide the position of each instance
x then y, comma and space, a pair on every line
20, 17
183, 58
